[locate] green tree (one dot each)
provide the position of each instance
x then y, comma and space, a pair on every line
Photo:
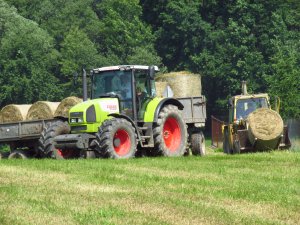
27, 60
77, 52
122, 32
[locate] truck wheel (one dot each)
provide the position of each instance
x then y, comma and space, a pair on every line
117, 139
18, 154
170, 132
46, 144
198, 144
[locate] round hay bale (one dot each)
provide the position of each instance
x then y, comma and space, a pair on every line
65, 105
42, 110
265, 127
183, 84
160, 87
14, 113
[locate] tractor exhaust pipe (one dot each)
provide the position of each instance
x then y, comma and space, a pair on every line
244, 88
84, 85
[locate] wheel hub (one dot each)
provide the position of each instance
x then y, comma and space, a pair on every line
122, 142
172, 134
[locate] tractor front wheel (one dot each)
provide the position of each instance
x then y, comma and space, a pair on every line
170, 132
117, 139
226, 144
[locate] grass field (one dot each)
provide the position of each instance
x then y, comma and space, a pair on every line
262, 188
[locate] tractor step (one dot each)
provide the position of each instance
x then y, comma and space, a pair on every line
145, 137
143, 128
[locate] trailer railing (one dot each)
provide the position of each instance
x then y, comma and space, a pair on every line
216, 132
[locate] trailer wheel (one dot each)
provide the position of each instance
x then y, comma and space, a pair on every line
170, 132
46, 144
117, 139
198, 144
18, 154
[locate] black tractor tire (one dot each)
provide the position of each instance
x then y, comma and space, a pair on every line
226, 145
198, 144
46, 143
170, 132
117, 139
236, 147
18, 154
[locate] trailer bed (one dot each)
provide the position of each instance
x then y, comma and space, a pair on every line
22, 131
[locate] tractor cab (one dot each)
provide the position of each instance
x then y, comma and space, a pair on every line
241, 106
133, 85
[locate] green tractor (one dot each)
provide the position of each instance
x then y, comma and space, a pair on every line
124, 118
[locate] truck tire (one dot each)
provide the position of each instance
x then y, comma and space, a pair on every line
117, 139
170, 132
46, 143
18, 154
198, 144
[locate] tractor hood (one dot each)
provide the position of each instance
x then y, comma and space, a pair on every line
89, 115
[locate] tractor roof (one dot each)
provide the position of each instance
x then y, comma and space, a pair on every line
123, 67
262, 95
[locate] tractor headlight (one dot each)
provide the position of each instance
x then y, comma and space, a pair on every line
76, 117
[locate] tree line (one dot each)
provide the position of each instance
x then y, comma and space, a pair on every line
44, 42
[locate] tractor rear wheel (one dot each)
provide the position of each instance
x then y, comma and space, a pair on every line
170, 132
117, 139
46, 141
198, 144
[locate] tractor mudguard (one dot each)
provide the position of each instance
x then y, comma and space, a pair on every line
167, 101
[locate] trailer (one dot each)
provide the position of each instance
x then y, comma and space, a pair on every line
23, 137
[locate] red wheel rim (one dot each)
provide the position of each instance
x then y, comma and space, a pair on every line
121, 142
65, 153
172, 134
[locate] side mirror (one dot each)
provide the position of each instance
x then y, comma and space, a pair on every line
229, 103
277, 104
151, 72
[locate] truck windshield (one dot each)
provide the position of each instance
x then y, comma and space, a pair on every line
246, 106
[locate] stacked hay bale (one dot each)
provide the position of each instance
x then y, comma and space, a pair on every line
65, 105
183, 84
265, 127
160, 87
14, 113
42, 110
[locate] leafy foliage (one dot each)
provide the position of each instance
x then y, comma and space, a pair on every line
43, 43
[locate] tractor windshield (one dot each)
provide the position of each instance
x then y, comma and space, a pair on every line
246, 106
114, 83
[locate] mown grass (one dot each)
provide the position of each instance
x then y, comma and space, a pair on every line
262, 188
